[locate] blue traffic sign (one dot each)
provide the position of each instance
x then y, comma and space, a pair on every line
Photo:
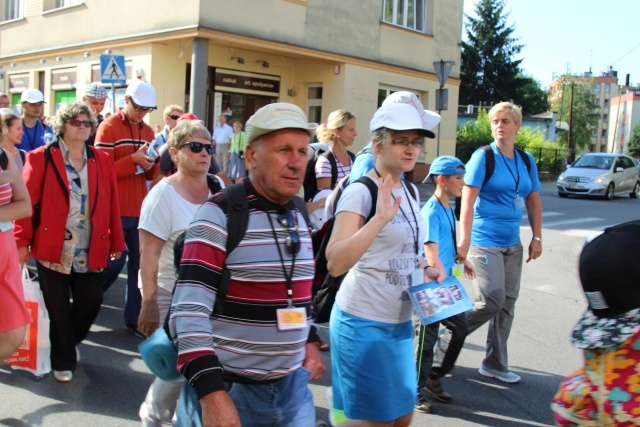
112, 69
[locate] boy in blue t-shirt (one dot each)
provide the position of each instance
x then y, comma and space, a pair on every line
447, 174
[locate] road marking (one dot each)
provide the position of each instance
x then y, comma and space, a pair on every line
548, 214
584, 232
570, 221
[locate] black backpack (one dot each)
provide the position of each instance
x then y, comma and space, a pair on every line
310, 184
489, 167
4, 160
325, 286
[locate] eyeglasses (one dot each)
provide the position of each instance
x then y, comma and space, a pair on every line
173, 116
292, 242
197, 147
405, 142
139, 108
78, 123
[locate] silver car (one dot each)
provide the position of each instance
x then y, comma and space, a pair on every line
600, 174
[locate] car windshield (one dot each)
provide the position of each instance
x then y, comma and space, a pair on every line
594, 162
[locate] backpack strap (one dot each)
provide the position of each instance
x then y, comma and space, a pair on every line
334, 167
525, 158
302, 207
373, 190
4, 160
489, 163
237, 222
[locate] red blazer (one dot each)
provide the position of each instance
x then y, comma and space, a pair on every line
48, 186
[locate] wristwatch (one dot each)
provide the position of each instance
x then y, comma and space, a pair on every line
539, 239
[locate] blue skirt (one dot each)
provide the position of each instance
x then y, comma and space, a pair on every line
372, 367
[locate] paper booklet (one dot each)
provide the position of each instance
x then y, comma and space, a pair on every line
436, 301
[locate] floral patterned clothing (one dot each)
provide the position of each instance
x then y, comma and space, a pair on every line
78, 228
606, 391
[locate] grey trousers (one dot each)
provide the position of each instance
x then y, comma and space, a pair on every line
497, 285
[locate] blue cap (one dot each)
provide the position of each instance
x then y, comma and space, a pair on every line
446, 166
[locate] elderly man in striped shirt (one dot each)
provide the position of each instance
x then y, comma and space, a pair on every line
251, 364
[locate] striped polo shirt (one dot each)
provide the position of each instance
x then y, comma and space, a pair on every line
243, 342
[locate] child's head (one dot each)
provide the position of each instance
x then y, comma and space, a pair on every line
447, 172
610, 275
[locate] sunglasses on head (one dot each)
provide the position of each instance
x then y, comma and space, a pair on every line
292, 242
197, 147
173, 116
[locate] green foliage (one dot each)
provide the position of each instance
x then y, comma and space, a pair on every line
471, 135
634, 143
489, 71
585, 113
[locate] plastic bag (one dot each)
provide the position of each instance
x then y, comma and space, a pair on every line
34, 353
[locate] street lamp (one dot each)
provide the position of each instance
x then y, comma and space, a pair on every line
442, 68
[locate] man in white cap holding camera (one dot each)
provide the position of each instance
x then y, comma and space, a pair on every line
125, 137
252, 365
32, 101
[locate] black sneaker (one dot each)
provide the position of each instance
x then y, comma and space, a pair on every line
423, 406
436, 390
133, 328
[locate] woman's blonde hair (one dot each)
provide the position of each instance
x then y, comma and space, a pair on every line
336, 120
506, 107
185, 129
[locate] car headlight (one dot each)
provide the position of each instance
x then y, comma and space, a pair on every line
600, 180
561, 178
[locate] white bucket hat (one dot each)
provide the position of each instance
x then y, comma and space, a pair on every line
142, 93
280, 115
399, 117
429, 119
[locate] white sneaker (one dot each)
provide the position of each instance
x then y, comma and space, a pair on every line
507, 377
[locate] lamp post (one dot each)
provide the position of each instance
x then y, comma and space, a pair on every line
442, 68
569, 145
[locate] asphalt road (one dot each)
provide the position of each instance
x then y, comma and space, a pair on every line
111, 380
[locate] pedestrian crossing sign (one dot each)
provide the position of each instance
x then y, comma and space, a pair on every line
112, 69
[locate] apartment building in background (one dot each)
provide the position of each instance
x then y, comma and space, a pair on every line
624, 116
234, 56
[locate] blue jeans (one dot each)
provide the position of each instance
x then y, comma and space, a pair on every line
285, 403
133, 297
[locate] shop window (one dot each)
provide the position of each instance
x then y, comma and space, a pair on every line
409, 14
64, 98
12, 9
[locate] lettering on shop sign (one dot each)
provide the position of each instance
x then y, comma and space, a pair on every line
263, 84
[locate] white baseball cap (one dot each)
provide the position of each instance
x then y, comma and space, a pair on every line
429, 119
142, 93
32, 96
276, 116
397, 116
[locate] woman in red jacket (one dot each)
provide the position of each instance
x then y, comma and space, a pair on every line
75, 228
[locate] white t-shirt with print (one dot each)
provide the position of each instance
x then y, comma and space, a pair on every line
374, 288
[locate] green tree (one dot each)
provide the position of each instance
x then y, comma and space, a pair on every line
634, 143
489, 71
582, 115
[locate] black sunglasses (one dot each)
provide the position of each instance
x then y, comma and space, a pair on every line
173, 117
197, 147
292, 242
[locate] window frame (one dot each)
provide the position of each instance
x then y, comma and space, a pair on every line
16, 7
414, 10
